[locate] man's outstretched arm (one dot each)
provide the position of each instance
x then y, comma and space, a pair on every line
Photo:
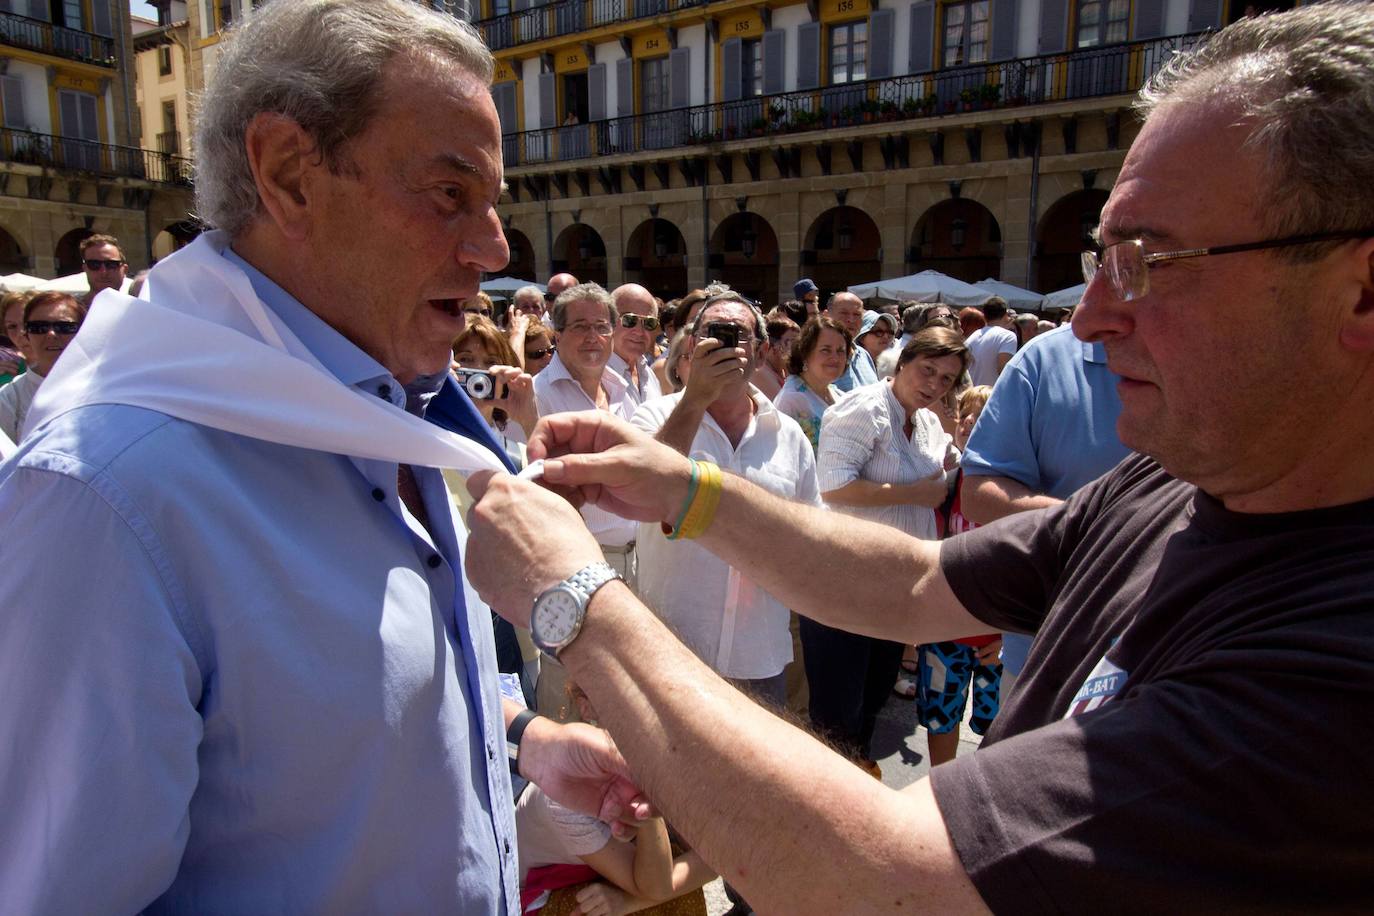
870, 579
794, 826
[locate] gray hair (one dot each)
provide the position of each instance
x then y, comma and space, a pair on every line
582, 292
319, 63
1305, 80
720, 294
527, 292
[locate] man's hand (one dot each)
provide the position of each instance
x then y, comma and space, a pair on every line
714, 369
579, 767
597, 458
523, 539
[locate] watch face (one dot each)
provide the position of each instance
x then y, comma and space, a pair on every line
556, 616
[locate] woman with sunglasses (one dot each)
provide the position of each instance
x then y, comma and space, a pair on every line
536, 342
51, 320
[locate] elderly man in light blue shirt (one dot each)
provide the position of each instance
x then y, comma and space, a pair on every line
243, 672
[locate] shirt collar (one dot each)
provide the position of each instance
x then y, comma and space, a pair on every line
615, 384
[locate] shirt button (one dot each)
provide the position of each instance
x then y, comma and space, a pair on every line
434, 561
491, 755
507, 847
378, 494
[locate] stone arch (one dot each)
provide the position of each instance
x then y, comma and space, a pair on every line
1062, 235
842, 247
960, 238
521, 262
175, 237
579, 250
12, 257
67, 251
744, 255
656, 258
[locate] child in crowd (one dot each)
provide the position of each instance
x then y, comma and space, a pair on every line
569, 862
947, 670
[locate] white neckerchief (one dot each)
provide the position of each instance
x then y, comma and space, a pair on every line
203, 348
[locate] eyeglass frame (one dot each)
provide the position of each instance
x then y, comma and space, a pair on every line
102, 263
588, 328
61, 328
1091, 261
629, 321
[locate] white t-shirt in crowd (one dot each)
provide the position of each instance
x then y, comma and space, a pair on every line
984, 344
15, 398
732, 624
556, 391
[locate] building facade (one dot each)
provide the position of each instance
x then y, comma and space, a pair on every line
71, 162
673, 142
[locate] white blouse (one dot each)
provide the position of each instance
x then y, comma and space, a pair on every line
862, 437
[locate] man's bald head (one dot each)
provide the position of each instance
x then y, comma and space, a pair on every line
636, 295
848, 310
559, 282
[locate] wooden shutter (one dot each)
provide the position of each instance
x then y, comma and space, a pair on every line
507, 109
680, 77
730, 53
922, 37
880, 27
1003, 46
38, 9
625, 87
1149, 19
12, 88
774, 62
548, 100
1054, 26
596, 92
808, 55
1204, 14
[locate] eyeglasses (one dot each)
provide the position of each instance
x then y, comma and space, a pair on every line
534, 308
581, 328
631, 321
541, 353
1128, 266
485, 313
102, 263
549, 297
39, 328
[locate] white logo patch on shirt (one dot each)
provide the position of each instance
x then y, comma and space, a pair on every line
1104, 682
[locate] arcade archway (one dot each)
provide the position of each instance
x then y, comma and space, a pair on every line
1063, 234
959, 238
843, 247
656, 258
744, 255
579, 250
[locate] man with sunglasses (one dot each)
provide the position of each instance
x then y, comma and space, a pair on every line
633, 343
1190, 730
102, 261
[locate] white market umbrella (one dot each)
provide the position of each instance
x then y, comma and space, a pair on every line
76, 285
1023, 300
1064, 298
926, 286
505, 287
18, 283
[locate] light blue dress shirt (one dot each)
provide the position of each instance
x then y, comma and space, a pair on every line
239, 678
860, 371
1050, 425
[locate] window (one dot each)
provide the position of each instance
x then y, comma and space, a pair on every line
1102, 22
751, 68
966, 33
654, 85
164, 60
70, 11
849, 53
224, 14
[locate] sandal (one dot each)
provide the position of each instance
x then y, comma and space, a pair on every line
905, 688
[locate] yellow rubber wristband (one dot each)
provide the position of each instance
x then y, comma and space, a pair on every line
703, 509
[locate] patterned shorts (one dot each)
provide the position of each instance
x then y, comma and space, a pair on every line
946, 671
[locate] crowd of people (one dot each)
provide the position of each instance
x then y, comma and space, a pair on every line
334, 585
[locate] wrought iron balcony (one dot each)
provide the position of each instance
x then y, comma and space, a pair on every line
568, 17
37, 35
1084, 74
99, 159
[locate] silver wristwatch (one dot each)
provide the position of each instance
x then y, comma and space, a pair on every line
559, 612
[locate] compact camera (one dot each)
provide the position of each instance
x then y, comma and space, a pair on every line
725, 332
478, 383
